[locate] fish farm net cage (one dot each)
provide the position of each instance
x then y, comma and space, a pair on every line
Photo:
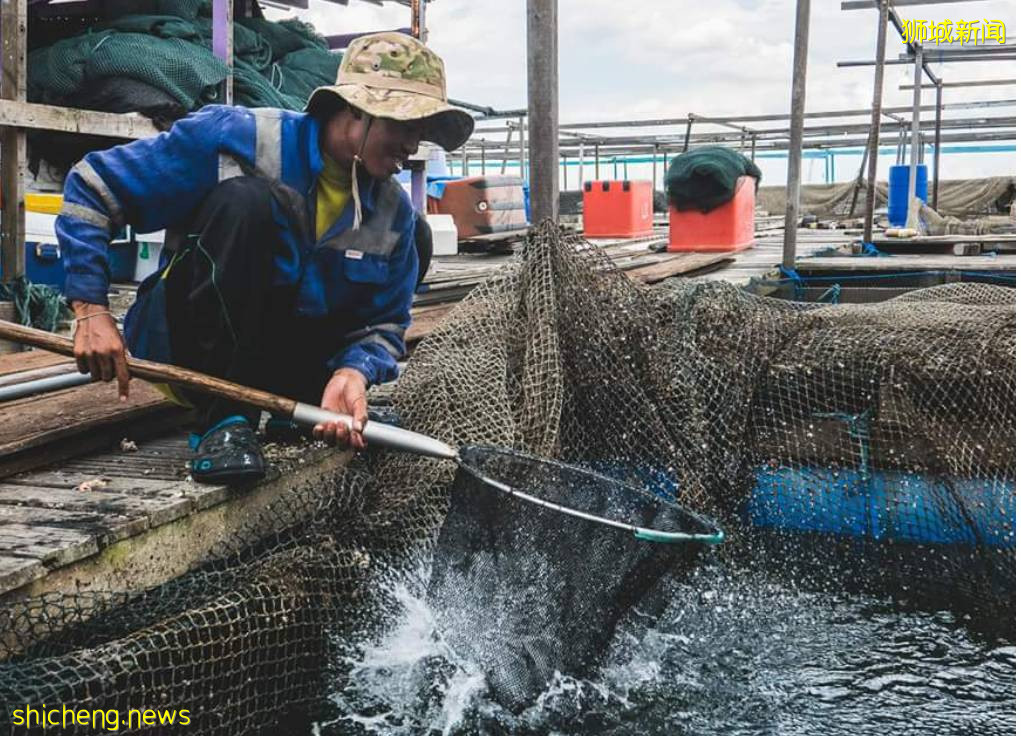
882, 430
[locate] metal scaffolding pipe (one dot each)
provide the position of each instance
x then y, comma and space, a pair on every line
877, 106
790, 231
912, 215
43, 385
936, 143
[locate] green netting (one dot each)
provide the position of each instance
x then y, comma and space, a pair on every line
705, 178
182, 69
170, 49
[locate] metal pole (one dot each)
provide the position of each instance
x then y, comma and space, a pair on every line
543, 135
857, 183
687, 131
521, 147
506, 149
912, 214
223, 43
753, 146
581, 166
464, 161
935, 153
877, 102
482, 156
790, 231
597, 162
655, 153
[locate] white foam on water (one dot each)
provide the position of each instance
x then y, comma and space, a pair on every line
409, 680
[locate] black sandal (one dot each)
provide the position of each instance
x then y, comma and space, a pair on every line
228, 453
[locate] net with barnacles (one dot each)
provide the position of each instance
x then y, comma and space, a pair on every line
879, 434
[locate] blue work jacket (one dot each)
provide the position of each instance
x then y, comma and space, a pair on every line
360, 279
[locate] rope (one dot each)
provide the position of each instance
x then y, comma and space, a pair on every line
35, 305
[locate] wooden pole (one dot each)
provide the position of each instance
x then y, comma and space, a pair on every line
543, 109
790, 231
158, 372
877, 103
13, 149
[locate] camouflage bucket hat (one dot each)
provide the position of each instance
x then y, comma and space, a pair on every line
391, 75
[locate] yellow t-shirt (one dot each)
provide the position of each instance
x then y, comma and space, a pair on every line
333, 190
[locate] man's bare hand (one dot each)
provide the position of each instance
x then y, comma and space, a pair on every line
99, 347
345, 393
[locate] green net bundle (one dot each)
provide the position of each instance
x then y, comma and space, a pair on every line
169, 49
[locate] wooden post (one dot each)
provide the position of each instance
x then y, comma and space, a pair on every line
877, 103
223, 43
935, 153
543, 95
790, 230
13, 150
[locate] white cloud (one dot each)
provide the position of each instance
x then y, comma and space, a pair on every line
664, 58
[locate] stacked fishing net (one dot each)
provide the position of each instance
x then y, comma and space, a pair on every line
963, 198
159, 61
882, 433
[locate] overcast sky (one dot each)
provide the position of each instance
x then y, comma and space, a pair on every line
634, 59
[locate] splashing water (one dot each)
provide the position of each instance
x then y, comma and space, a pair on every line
407, 681
734, 652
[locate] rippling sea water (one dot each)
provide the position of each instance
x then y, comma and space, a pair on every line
735, 652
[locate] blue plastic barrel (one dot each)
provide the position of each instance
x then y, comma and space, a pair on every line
900, 179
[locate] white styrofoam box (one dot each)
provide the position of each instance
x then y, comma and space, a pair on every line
150, 246
444, 234
40, 227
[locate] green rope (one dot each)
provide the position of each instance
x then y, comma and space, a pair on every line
35, 305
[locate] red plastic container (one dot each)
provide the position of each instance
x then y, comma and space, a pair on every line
482, 205
617, 209
729, 227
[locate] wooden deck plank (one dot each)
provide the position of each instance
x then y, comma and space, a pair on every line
38, 507
907, 262
50, 545
18, 571
155, 503
40, 420
28, 360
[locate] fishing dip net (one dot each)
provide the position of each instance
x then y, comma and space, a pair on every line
881, 435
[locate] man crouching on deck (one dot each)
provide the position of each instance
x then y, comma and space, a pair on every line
290, 259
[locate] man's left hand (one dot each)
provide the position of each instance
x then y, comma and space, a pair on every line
345, 393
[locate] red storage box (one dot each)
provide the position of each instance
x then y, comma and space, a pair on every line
729, 227
481, 205
617, 209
